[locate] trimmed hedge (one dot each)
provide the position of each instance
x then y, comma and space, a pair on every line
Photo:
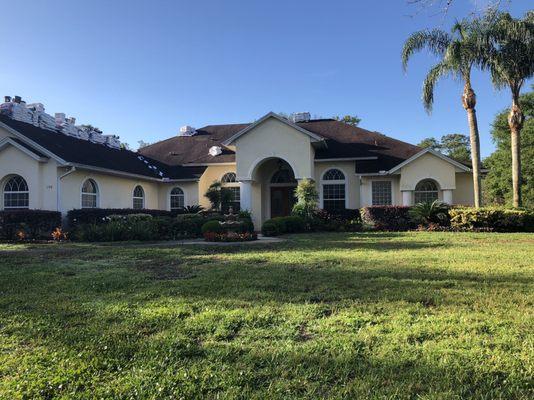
28, 224
97, 215
270, 228
387, 218
347, 220
492, 219
280, 225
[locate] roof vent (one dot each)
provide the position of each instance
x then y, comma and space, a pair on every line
215, 150
300, 117
187, 131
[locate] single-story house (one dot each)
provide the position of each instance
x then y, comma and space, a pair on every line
61, 168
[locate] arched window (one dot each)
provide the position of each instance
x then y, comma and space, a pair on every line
229, 181
283, 176
426, 191
89, 194
16, 193
177, 199
229, 177
333, 188
138, 198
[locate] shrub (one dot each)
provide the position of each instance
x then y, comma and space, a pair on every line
270, 228
195, 209
427, 213
212, 226
307, 196
290, 224
492, 218
28, 224
219, 196
98, 215
387, 218
342, 220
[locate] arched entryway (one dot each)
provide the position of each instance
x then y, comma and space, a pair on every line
276, 183
282, 190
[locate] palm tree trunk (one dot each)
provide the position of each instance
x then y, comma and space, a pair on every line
469, 102
515, 122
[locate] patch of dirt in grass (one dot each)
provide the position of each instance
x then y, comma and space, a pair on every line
163, 270
302, 333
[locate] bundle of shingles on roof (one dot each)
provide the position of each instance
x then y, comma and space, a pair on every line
35, 114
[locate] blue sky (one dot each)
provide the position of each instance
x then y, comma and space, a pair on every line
142, 69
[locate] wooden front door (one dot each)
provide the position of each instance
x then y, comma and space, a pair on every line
282, 200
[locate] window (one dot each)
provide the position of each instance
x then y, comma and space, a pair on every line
229, 177
229, 181
138, 198
16, 193
89, 194
334, 190
283, 176
177, 199
426, 191
381, 193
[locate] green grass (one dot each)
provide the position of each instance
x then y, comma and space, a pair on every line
377, 315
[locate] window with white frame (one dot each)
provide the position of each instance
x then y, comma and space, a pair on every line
16, 193
177, 199
138, 198
229, 181
89, 194
381, 193
426, 191
333, 189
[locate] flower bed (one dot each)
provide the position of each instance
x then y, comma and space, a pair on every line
230, 237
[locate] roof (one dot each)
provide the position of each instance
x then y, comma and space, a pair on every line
84, 153
342, 141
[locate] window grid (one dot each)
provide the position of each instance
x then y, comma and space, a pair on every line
381, 192
333, 175
16, 194
177, 199
229, 177
138, 198
426, 191
89, 194
334, 197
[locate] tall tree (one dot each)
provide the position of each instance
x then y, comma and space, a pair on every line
454, 145
509, 54
458, 52
498, 182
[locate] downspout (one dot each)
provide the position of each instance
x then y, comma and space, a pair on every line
58, 186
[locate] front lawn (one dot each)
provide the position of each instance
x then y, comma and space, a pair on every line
362, 315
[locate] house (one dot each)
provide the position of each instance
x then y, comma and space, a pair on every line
50, 163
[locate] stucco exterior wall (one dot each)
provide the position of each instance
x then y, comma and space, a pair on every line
366, 189
464, 193
274, 139
352, 184
428, 166
211, 174
40, 177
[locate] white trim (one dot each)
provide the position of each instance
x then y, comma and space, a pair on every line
345, 159
323, 182
136, 197
271, 114
3, 184
37, 146
9, 141
265, 158
392, 194
120, 173
207, 164
90, 194
169, 196
433, 152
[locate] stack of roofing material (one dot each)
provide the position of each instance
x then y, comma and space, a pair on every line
35, 114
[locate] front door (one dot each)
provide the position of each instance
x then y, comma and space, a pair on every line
282, 200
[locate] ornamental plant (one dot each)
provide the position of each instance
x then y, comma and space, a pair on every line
307, 197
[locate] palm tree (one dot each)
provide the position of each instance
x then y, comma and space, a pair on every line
509, 55
458, 52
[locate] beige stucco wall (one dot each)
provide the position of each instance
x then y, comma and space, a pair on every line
40, 177
352, 187
211, 174
464, 193
274, 139
366, 189
428, 166
117, 192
